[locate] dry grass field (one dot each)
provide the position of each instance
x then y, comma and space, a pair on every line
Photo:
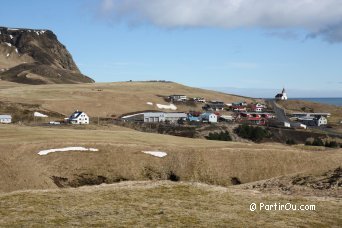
120, 158
53, 190
160, 204
105, 99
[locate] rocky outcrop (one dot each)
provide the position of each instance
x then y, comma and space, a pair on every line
36, 57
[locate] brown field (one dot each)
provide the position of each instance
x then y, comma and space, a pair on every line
105, 99
120, 158
161, 204
51, 189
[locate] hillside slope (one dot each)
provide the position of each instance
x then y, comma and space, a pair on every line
33, 56
108, 99
120, 158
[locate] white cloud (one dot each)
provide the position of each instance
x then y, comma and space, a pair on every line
317, 17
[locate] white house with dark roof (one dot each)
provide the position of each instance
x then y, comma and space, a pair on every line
79, 117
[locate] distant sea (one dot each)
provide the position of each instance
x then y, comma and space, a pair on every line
333, 100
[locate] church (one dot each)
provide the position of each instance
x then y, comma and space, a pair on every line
281, 96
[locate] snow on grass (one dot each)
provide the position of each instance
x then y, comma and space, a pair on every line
129, 116
8, 55
170, 106
149, 103
45, 152
38, 114
16, 50
11, 37
158, 154
8, 44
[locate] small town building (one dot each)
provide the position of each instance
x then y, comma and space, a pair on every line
313, 121
78, 117
321, 120
238, 108
156, 117
5, 119
282, 95
311, 114
255, 108
226, 118
179, 98
208, 117
241, 103
193, 118
199, 99
214, 106
256, 120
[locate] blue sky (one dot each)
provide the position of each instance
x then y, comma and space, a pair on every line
197, 43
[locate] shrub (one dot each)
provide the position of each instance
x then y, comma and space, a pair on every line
318, 142
255, 134
221, 136
332, 144
290, 142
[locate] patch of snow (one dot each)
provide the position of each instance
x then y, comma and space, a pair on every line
12, 29
45, 152
8, 54
8, 44
158, 154
38, 114
149, 103
128, 116
37, 33
170, 106
11, 36
16, 50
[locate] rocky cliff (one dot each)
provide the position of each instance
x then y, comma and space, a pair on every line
34, 56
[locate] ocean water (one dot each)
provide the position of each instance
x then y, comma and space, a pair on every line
333, 100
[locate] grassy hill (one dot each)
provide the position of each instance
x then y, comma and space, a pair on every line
106, 99
120, 158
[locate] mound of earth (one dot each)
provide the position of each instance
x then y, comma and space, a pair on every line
33, 56
323, 184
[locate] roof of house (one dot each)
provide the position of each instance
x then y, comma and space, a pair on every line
207, 114
75, 115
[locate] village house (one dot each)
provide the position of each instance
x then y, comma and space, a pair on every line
199, 99
240, 103
313, 121
178, 98
78, 117
256, 120
5, 119
238, 108
214, 106
255, 108
226, 118
193, 118
282, 95
208, 117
